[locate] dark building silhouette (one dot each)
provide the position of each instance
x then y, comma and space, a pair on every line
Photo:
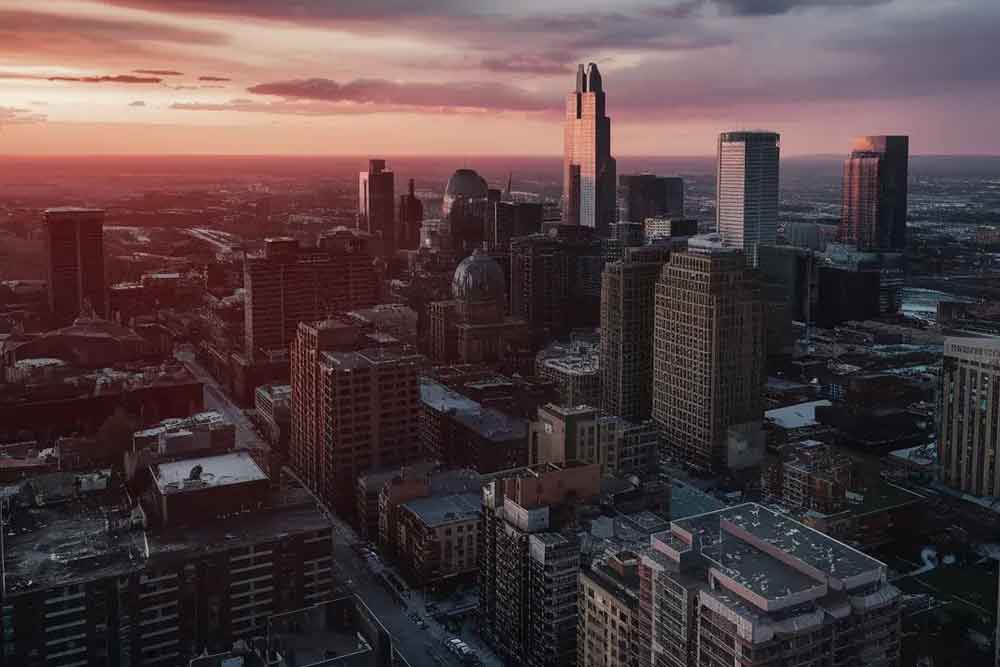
510, 220
874, 194
466, 210
588, 197
556, 280
628, 294
74, 244
411, 215
644, 196
376, 203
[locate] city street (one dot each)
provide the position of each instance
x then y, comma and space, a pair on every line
420, 646
216, 399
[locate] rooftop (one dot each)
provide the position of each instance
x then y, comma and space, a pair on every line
377, 356
575, 364
796, 416
221, 470
441, 510
743, 541
444, 399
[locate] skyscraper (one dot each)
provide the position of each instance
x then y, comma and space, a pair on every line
644, 196
376, 203
555, 280
289, 284
589, 197
74, 244
873, 215
968, 414
708, 357
628, 290
747, 190
411, 215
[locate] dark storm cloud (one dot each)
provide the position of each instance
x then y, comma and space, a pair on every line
472, 94
117, 78
159, 72
690, 56
776, 7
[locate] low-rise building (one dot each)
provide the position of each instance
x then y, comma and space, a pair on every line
273, 405
575, 371
582, 433
437, 538
93, 578
461, 433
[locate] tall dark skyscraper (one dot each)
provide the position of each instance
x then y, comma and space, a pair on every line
747, 190
874, 193
628, 295
74, 244
411, 215
588, 168
644, 196
377, 202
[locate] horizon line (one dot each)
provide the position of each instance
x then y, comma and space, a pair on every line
366, 156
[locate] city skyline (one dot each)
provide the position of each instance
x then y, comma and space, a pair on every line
215, 77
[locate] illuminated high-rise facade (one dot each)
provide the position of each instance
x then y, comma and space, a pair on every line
589, 197
873, 215
747, 190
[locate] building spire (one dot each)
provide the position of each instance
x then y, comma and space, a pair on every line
593, 78
581, 79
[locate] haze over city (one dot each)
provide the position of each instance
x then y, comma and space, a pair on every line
475, 78
392, 333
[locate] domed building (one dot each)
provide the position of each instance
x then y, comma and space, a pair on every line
464, 184
473, 326
468, 201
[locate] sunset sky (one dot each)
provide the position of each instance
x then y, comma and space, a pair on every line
470, 77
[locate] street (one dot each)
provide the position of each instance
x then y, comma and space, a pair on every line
419, 646
216, 399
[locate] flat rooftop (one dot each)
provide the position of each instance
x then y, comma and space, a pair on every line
375, 356
441, 510
221, 470
746, 559
54, 545
574, 364
442, 398
796, 416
